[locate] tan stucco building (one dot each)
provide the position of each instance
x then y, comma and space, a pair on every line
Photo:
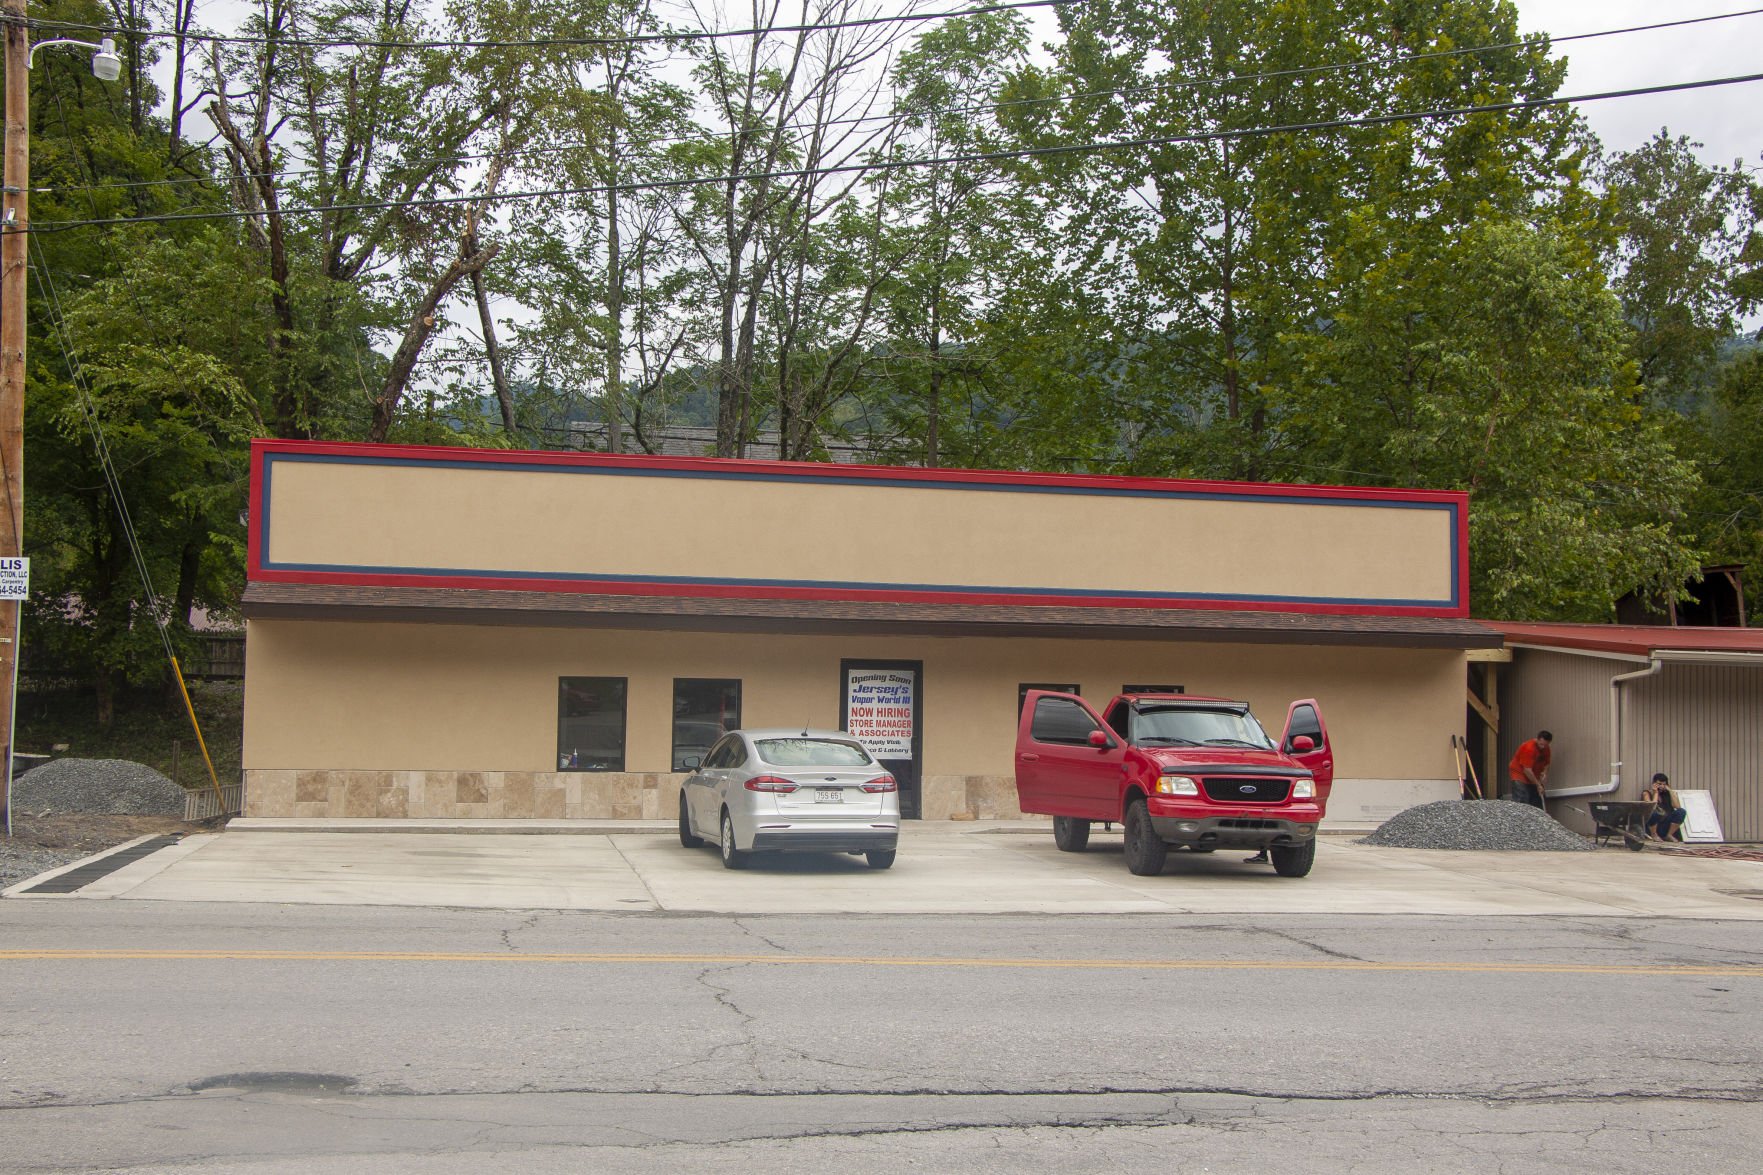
467, 634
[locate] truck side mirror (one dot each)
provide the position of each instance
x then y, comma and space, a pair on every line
1302, 743
1099, 738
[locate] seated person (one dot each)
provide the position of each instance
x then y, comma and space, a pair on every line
1665, 822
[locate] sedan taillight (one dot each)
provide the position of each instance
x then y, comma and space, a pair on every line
881, 783
769, 783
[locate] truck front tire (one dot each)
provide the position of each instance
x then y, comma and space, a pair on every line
1070, 833
1294, 861
1145, 850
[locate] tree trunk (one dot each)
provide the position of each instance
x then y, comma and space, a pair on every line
104, 692
615, 328
492, 352
422, 324
933, 417
183, 11
189, 567
254, 180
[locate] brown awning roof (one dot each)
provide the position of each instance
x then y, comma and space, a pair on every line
1637, 640
266, 601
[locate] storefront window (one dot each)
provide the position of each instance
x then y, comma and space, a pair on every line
704, 708
590, 723
1022, 692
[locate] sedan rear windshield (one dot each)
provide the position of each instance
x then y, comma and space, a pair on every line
811, 752
1191, 727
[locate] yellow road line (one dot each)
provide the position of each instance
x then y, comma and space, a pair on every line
52, 954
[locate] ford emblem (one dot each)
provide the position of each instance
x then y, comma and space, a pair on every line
1247, 789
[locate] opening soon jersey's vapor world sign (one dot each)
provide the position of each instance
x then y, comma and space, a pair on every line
879, 711
399, 516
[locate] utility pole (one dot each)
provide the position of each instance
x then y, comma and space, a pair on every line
14, 259
14, 245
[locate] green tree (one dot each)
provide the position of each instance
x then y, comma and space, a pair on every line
599, 267
1680, 229
157, 321
955, 227
1498, 365
1211, 249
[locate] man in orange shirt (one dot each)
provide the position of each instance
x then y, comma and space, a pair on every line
1529, 770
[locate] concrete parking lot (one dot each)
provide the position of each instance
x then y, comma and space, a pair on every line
942, 868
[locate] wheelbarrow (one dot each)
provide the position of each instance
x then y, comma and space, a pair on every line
1621, 818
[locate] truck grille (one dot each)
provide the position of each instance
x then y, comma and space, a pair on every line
1246, 789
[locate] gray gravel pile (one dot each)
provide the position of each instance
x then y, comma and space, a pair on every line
1501, 825
96, 785
19, 861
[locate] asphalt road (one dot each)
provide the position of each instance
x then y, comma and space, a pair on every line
147, 1036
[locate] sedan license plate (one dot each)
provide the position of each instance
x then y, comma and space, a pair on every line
829, 795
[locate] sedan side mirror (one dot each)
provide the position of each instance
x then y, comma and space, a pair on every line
691, 762
1302, 743
1099, 738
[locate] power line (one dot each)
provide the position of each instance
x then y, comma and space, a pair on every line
562, 42
902, 164
897, 116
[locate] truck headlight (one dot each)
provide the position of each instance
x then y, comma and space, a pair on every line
1304, 789
1177, 785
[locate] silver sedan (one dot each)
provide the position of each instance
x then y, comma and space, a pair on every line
761, 791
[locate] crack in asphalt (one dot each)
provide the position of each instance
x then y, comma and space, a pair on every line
483, 1132
724, 998
508, 932
1499, 1095
1287, 936
740, 924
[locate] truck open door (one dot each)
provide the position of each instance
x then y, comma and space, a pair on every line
1068, 763
1304, 721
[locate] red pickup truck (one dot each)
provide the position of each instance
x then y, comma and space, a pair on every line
1175, 770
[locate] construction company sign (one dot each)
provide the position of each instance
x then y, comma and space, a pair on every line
878, 705
15, 579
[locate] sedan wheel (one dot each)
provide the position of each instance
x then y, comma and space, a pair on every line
732, 858
686, 836
881, 858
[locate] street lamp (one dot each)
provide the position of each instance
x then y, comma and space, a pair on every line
106, 65
14, 258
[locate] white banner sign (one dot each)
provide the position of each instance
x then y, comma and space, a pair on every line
15, 579
879, 709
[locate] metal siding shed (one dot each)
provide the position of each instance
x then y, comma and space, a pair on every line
1694, 716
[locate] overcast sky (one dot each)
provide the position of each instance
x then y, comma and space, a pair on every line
1728, 120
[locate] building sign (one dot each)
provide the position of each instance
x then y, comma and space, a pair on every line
391, 516
15, 579
878, 706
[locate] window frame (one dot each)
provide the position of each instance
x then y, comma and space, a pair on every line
1022, 688
624, 707
673, 740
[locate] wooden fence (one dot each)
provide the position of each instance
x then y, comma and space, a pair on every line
202, 804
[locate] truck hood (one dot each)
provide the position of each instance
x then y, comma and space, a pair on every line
1223, 761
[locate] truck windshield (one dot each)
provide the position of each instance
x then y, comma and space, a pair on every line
1187, 726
